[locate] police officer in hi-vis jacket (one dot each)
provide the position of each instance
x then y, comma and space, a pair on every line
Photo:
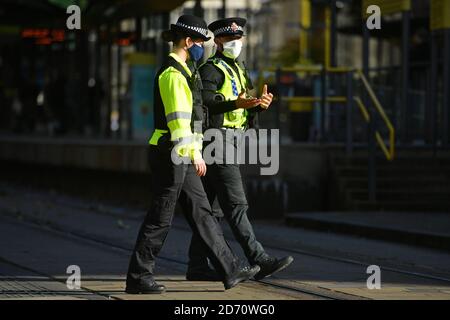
225, 88
177, 165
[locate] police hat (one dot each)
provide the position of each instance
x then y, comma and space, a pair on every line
189, 25
228, 27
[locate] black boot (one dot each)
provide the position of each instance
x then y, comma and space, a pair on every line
242, 274
145, 287
271, 265
202, 274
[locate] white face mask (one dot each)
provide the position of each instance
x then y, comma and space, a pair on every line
232, 49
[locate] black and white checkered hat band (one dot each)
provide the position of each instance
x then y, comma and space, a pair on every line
197, 29
228, 29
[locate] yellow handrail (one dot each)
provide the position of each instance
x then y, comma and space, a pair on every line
362, 108
389, 155
314, 99
294, 69
338, 69
388, 152
383, 115
311, 68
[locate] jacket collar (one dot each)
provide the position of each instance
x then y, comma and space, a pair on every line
180, 61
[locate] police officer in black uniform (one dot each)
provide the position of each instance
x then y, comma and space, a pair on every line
225, 93
177, 165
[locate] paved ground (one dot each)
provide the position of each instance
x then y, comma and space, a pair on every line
42, 233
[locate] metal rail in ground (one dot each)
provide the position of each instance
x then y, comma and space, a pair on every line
92, 240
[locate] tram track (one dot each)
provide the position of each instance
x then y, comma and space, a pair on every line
119, 248
284, 249
274, 282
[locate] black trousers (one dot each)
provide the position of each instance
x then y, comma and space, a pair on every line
223, 182
171, 183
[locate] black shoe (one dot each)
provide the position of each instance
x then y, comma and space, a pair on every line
270, 266
145, 287
242, 274
202, 274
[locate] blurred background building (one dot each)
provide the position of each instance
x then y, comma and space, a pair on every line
356, 108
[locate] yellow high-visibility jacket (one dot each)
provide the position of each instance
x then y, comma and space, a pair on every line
174, 111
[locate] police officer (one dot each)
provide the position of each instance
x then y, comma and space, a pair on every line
225, 87
174, 141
